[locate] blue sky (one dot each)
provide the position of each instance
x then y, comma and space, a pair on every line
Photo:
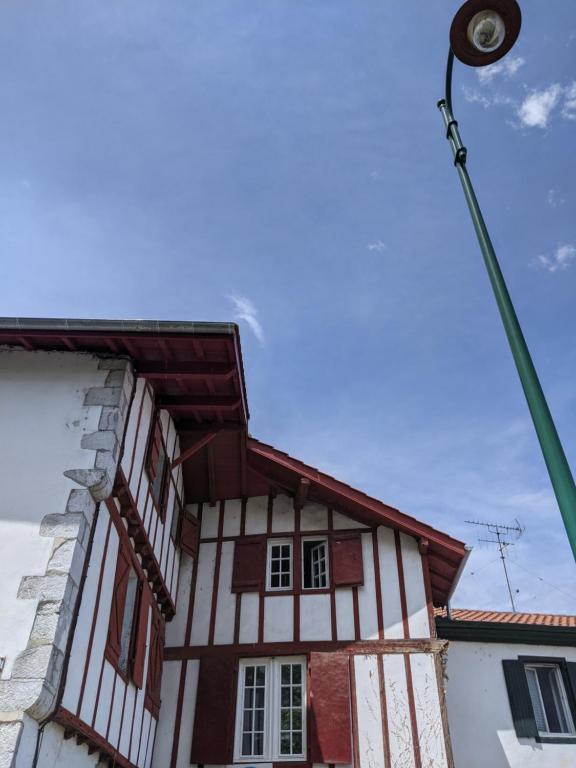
284, 163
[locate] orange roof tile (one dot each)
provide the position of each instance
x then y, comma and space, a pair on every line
504, 617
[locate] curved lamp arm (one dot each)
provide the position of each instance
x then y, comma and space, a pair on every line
554, 456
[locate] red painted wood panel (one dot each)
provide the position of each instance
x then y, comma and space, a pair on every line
118, 603
330, 724
189, 533
213, 737
140, 639
347, 565
249, 570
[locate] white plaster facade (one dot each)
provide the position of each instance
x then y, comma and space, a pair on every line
61, 418
481, 725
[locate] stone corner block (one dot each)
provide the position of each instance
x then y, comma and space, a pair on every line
96, 480
103, 396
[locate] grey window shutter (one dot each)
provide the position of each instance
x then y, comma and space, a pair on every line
519, 697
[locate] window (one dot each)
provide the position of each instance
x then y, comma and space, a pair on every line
549, 701
127, 628
314, 563
270, 712
279, 572
158, 466
542, 696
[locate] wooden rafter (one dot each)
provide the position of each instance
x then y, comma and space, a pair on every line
185, 455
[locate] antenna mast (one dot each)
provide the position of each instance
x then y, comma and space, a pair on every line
501, 535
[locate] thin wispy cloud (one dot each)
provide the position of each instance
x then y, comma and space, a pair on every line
537, 107
569, 106
245, 310
562, 258
505, 67
378, 246
474, 96
554, 199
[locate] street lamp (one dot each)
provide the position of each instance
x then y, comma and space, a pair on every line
483, 31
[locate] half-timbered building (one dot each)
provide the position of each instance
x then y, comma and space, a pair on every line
181, 594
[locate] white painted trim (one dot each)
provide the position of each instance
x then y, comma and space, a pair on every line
272, 708
274, 543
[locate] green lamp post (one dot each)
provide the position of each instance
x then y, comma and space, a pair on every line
482, 32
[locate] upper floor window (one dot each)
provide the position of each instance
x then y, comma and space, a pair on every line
127, 628
279, 570
542, 695
549, 700
270, 712
157, 466
315, 563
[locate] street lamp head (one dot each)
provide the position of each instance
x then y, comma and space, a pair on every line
483, 31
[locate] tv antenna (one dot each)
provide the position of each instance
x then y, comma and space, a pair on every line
503, 536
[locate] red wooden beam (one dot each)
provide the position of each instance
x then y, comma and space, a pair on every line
186, 370
211, 476
194, 448
199, 402
302, 492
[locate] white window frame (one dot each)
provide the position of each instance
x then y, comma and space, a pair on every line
563, 699
272, 707
323, 540
274, 543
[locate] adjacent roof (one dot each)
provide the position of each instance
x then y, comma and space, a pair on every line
506, 617
505, 627
197, 374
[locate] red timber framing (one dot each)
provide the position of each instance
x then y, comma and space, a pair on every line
74, 725
142, 544
444, 554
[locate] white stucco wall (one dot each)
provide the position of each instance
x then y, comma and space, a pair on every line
42, 421
479, 713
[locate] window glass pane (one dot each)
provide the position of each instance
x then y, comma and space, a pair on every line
548, 678
536, 700
314, 564
253, 714
285, 744
291, 716
280, 566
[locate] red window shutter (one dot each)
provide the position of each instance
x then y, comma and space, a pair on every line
189, 534
123, 566
330, 725
213, 737
140, 638
347, 565
249, 568
155, 664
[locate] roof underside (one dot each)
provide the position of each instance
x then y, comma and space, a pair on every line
194, 368
196, 372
